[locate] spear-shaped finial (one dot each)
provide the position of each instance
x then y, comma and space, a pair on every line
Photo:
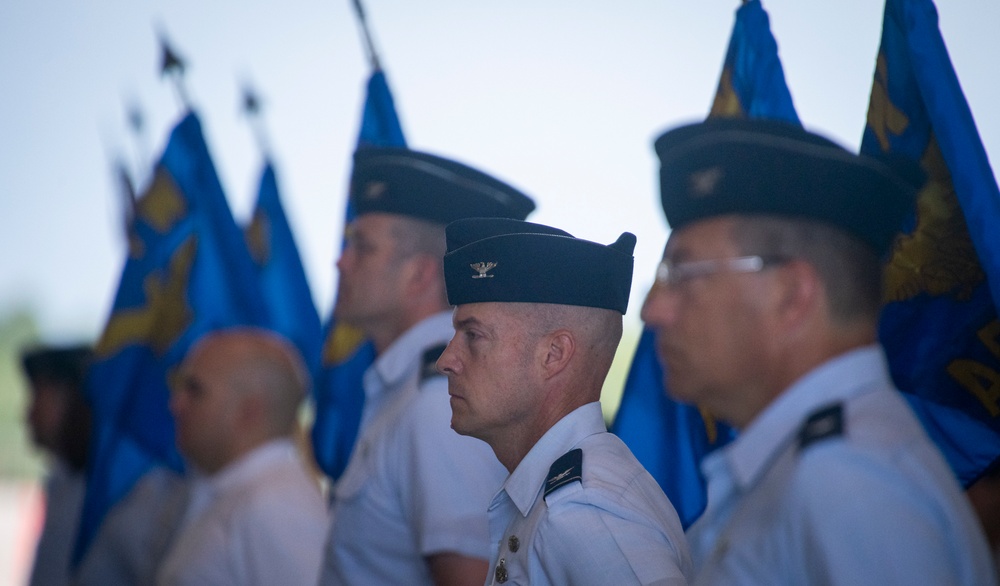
252, 110
171, 64
369, 43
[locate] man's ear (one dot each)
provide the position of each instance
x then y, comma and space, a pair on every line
557, 351
800, 290
253, 407
424, 270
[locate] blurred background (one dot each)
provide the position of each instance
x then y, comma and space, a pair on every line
560, 98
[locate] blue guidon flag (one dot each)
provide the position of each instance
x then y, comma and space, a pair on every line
188, 272
939, 322
670, 438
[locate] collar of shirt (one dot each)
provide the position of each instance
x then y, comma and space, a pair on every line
251, 464
526, 480
850, 374
202, 489
392, 367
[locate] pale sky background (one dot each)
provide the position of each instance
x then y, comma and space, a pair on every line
562, 98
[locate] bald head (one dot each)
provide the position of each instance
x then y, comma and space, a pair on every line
238, 388
263, 363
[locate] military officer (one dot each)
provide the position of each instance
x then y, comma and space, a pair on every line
765, 311
537, 323
410, 507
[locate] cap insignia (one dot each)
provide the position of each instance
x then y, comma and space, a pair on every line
704, 182
482, 268
375, 189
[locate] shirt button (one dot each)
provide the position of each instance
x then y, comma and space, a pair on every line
513, 543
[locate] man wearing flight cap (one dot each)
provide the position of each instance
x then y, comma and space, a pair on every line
410, 507
765, 309
537, 323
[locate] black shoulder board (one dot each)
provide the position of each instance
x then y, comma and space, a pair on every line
428, 366
822, 424
567, 469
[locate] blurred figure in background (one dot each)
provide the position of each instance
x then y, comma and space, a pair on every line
59, 419
985, 497
411, 506
254, 512
765, 309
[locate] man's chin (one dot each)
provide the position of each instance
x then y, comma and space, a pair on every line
678, 391
459, 424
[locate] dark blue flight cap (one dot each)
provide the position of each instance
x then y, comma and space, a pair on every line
65, 364
501, 260
427, 187
736, 166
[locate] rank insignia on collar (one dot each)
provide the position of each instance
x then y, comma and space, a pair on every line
482, 268
825, 423
565, 470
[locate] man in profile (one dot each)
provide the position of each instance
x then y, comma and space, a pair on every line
537, 322
765, 310
254, 514
410, 507
59, 419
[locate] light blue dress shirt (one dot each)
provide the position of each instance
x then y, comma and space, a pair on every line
873, 504
413, 486
259, 521
613, 526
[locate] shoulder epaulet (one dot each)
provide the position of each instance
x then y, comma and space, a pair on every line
824, 423
568, 468
428, 365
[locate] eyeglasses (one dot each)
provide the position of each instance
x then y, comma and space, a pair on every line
673, 275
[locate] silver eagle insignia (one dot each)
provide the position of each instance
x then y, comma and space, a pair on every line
482, 268
560, 476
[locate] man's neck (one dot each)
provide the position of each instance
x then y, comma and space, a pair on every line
515, 445
383, 337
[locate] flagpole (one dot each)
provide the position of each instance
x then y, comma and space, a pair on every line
123, 183
136, 120
251, 109
126, 186
172, 65
367, 35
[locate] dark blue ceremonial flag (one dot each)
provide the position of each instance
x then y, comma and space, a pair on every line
939, 324
338, 394
282, 278
187, 272
752, 84
670, 438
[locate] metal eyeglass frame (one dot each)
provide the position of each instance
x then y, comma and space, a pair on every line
672, 275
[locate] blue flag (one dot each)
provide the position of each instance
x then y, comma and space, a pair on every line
939, 324
670, 438
338, 394
752, 84
282, 278
187, 272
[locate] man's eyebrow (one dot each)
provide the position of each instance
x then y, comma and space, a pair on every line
469, 321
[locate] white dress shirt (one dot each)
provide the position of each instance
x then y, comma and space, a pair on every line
413, 486
259, 521
608, 522
862, 498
